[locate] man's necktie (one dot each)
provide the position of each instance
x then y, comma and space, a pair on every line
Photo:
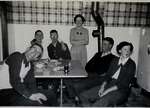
120, 65
116, 74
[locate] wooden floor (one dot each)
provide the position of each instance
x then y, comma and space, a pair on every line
136, 99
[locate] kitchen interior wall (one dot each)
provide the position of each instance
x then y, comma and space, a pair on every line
143, 68
20, 36
123, 21
1, 54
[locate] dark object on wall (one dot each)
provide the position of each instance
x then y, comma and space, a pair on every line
96, 33
145, 93
99, 33
134, 83
148, 49
3, 18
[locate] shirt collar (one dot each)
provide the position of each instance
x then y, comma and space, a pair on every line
106, 53
55, 44
123, 62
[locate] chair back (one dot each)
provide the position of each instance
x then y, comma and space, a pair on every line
4, 76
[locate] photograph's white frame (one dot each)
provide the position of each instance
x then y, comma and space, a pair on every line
1, 55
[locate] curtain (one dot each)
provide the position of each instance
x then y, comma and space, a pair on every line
124, 14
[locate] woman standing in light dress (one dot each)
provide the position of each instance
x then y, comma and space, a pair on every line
79, 38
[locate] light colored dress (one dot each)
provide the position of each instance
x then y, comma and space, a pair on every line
79, 38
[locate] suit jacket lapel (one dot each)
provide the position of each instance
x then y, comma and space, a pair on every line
116, 66
122, 70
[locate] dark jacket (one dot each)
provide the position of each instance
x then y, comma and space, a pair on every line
127, 73
57, 52
99, 64
26, 88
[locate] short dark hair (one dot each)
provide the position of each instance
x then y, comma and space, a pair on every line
40, 47
53, 31
110, 40
38, 31
79, 15
122, 44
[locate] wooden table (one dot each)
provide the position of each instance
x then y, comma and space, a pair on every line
55, 69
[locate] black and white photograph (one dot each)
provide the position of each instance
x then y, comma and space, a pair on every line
75, 53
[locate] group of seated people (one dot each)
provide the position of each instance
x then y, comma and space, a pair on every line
109, 77
107, 84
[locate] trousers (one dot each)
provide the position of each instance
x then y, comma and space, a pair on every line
9, 97
91, 98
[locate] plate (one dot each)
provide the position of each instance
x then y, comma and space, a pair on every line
53, 61
39, 65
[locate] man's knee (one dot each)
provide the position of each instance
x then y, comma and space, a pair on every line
51, 98
21, 101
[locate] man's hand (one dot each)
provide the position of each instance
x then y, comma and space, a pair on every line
101, 90
63, 46
38, 97
104, 93
23, 71
113, 88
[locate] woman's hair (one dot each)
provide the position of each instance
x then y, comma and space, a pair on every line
122, 44
79, 15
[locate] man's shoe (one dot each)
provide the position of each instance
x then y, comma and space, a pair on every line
92, 100
78, 103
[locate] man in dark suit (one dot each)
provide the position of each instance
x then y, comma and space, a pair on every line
24, 91
96, 68
100, 62
115, 88
57, 50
